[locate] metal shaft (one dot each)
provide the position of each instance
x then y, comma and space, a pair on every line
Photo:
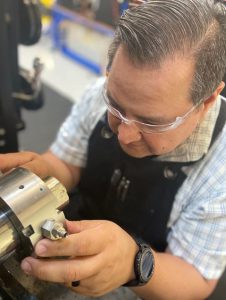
32, 201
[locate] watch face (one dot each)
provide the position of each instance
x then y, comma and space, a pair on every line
146, 265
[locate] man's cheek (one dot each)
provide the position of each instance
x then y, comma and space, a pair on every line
113, 123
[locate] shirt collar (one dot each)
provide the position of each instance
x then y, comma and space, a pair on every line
197, 144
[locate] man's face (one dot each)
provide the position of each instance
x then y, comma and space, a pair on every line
156, 95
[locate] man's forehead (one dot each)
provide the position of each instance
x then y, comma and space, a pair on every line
170, 83
173, 74
183, 64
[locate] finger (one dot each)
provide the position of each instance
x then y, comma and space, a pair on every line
13, 160
94, 286
85, 288
79, 226
85, 243
91, 287
62, 271
38, 167
28, 160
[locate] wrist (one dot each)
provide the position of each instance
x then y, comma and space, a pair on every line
143, 265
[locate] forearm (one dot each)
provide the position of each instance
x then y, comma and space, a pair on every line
175, 279
68, 175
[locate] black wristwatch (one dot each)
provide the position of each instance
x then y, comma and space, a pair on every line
143, 265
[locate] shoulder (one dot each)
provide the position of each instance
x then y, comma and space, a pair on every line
73, 137
198, 218
91, 99
88, 110
204, 190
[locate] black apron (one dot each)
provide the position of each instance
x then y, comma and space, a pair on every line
137, 194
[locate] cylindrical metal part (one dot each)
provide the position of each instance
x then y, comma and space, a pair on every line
32, 201
8, 241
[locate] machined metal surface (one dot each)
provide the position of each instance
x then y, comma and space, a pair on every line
53, 230
33, 202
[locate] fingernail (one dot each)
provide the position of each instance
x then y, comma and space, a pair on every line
40, 249
26, 267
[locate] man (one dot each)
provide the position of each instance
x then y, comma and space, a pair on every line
151, 176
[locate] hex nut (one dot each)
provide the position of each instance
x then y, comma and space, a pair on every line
53, 230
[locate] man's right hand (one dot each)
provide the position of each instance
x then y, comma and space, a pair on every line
28, 160
43, 166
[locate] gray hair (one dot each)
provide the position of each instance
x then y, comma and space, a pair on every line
158, 29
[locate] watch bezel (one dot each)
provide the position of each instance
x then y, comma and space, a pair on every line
145, 251
138, 266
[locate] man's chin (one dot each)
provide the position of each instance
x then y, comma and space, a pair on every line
135, 152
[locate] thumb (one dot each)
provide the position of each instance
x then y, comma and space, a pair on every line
79, 226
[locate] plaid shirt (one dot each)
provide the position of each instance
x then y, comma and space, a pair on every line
197, 221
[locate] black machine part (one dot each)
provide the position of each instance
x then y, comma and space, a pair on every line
30, 22
30, 95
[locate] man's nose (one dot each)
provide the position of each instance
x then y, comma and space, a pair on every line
128, 133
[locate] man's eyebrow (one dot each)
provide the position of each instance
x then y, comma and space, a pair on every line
154, 120
113, 101
150, 119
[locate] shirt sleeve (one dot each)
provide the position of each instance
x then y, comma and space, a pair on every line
72, 139
198, 233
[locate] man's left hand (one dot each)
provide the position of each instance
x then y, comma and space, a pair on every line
97, 254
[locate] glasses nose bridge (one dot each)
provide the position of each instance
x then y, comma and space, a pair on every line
130, 123
126, 121
127, 133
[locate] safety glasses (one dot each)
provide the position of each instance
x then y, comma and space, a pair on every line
145, 127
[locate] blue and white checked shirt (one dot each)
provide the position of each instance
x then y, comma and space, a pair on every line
198, 217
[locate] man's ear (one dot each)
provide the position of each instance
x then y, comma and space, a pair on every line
209, 102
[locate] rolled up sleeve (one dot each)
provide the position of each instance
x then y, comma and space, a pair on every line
72, 139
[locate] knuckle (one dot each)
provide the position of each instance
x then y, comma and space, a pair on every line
112, 236
40, 272
105, 280
80, 225
59, 246
69, 273
109, 229
29, 154
82, 245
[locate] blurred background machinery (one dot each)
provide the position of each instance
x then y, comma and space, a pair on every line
20, 23
79, 25
74, 26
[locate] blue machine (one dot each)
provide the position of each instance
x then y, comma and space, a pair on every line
59, 14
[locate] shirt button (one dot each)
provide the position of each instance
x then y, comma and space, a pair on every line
169, 174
